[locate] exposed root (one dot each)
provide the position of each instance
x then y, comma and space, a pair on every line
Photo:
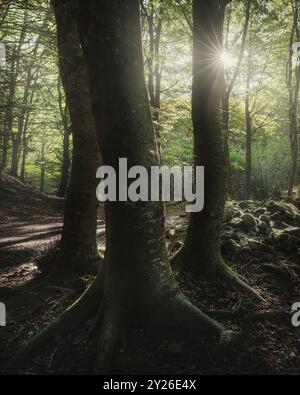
70, 318
223, 271
229, 275
181, 314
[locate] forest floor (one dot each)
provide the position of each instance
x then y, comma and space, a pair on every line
260, 241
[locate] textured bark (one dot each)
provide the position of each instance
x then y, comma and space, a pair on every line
138, 278
78, 243
201, 251
65, 166
135, 280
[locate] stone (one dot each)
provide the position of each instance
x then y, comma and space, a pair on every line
236, 222
230, 247
263, 228
264, 218
287, 242
249, 221
259, 211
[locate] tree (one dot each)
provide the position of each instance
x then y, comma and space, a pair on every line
153, 15
293, 89
201, 251
65, 167
135, 282
230, 82
78, 246
14, 74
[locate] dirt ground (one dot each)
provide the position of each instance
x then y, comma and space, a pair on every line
31, 223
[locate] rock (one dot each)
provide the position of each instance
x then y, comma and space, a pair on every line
170, 233
259, 211
230, 247
264, 218
249, 221
257, 245
277, 216
287, 210
263, 228
293, 231
287, 242
236, 222
248, 204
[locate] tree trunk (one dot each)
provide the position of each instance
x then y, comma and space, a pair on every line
226, 99
154, 64
293, 89
225, 128
135, 281
248, 119
78, 243
43, 167
201, 251
25, 142
248, 151
65, 167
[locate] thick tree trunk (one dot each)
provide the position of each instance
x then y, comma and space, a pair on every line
136, 280
78, 243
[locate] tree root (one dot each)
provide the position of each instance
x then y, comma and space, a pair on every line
169, 308
109, 338
223, 271
70, 318
228, 274
180, 313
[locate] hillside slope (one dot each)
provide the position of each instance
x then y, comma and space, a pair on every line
23, 201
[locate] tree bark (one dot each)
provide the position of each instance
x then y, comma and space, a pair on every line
65, 167
226, 99
293, 89
248, 119
135, 281
201, 251
78, 242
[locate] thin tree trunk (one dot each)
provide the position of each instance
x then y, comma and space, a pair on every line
15, 70
226, 100
43, 167
65, 167
248, 131
293, 89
